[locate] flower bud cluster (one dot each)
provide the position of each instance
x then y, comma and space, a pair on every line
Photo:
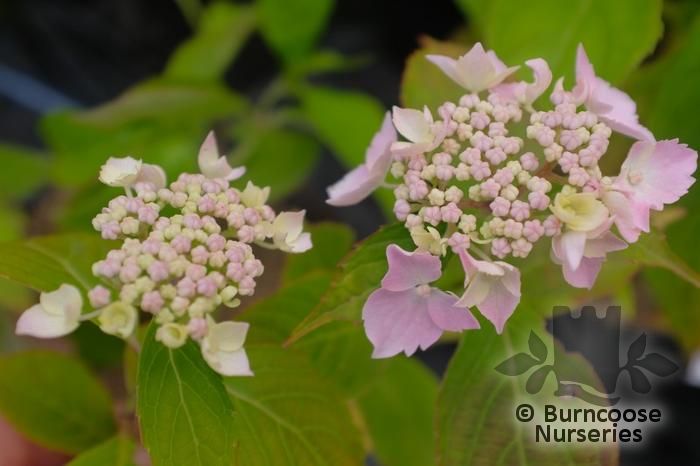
482, 184
182, 267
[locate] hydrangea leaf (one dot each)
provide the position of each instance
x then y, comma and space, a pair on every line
672, 114
221, 33
481, 427
185, 416
331, 242
288, 415
292, 28
62, 406
117, 451
652, 250
281, 159
162, 122
399, 410
44, 263
356, 277
23, 170
552, 29
377, 390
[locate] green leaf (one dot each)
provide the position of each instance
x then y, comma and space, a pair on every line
160, 122
288, 415
399, 410
185, 416
475, 418
672, 112
273, 318
357, 276
117, 451
282, 159
424, 83
23, 170
652, 250
339, 351
163, 100
292, 28
331, 242
671, 115
345, 121
44, 263
617, 35
55, 401
221, 33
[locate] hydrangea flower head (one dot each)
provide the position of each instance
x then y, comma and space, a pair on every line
492, 175
186, 250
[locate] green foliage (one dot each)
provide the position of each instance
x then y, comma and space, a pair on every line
288, 415
292, 28
117, 451
282, 159
424, 83
399, 411
357, 276
221, 33
671, 103
185, 416
617, 35
44, 263
475, 418
23, 170
343, 120
331, 242
55, 401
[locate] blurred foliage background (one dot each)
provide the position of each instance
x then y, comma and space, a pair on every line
294, 90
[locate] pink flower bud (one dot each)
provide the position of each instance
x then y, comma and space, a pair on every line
520, 210
152, 301
206, 287
533, 230
458, 241
129, 273
186, 287
538, 200
500, 206
216, 242
500, 248
450, 213
197, 328
529, 161
552, 226
99, 296
158, 271
401, 209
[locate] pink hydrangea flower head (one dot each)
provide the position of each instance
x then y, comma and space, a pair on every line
406, 313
